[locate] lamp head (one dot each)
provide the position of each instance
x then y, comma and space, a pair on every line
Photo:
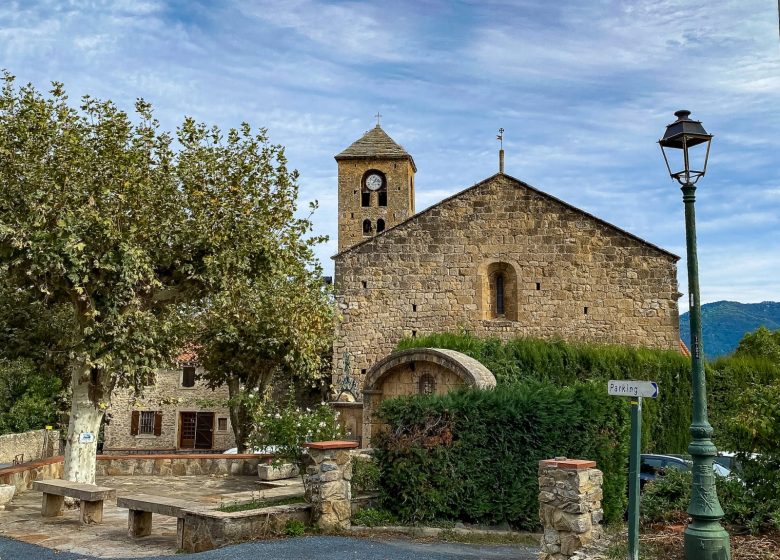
685, 165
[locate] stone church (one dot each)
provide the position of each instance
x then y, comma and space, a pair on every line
498, 259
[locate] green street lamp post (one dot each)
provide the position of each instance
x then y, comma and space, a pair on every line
686, 140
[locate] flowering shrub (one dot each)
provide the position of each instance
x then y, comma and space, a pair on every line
284, 428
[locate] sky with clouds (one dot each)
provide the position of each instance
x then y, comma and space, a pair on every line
583, 89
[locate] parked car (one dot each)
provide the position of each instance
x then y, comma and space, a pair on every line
652, 466
729, 460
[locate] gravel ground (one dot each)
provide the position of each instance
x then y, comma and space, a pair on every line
316, 548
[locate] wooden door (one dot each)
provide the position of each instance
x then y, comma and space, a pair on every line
187, 423
204, 430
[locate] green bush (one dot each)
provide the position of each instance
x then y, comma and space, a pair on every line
365, 475
373, 517
665, 420
286, 427
473, 455
29, 399
294, 528
666, 498
744, 504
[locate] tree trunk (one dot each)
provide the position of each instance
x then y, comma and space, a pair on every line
238, 414
83, 428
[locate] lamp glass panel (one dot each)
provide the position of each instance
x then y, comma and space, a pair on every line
675, 159
697, 156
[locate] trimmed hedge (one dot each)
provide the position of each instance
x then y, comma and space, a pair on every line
729, 379
665, 420
473, 455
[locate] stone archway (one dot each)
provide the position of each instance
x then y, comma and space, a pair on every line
419, 370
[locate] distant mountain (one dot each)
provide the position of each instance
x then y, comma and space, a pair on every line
724, 323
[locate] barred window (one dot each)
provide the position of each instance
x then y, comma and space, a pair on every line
427, 384
146, 425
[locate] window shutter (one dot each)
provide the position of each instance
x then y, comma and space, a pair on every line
134, 420
158, 423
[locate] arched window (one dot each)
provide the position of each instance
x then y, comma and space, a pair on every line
366, 227
499, 294
427, 384
380, 225
498, 291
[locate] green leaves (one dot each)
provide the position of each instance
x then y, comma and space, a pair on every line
473, 455
149, 245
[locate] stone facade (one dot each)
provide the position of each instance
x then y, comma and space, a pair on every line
563, 274
569, 506
374, 153
31, 446
174, 403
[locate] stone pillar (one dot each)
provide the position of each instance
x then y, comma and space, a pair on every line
327, 482
569, 506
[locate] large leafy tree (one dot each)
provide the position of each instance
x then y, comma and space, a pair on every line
275, 327
761, 343
34, 345
130, 228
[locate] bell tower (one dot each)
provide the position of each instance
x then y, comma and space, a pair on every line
376, 187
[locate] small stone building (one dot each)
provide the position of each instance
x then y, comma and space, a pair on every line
500, 258
175, 413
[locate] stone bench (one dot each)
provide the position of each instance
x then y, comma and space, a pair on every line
90, 496
142, 506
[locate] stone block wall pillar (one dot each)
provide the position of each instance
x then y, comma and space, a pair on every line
328, 482
569, 506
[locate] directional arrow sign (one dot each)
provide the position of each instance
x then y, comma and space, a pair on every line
633, 388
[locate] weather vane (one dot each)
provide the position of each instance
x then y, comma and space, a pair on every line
500, 137
378, 117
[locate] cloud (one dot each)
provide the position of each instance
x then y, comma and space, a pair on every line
583, 90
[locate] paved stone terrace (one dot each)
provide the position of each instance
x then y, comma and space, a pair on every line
22, 518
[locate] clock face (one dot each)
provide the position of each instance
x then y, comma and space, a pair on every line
374, 182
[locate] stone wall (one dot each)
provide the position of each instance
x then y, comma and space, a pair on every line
34, 445
207, 530
168, 396
350, 418
22, 476
572, 276
178, 465
399, 175
569, 506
